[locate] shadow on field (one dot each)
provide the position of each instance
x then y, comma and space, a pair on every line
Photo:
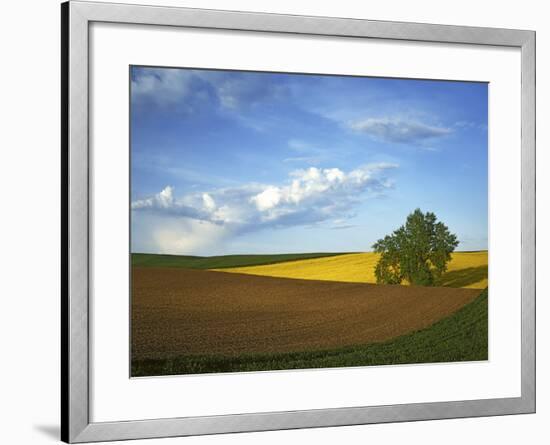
463, 277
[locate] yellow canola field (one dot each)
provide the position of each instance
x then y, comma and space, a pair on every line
466, 269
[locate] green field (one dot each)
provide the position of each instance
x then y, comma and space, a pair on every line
462, 336
220, 262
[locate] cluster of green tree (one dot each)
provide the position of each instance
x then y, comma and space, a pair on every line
417, 252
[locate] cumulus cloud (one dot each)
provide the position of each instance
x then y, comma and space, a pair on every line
164, 202
399, 131
309, 196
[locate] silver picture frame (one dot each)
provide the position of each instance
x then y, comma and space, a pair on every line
75, 361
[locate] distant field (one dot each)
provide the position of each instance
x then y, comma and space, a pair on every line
218, 262
178, 311
462, 336
466, 269
352, 267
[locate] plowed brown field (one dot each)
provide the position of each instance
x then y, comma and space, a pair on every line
179, 311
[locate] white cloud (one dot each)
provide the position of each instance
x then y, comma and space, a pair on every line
209, 203
309, 196
314, 160
162, 85
469, 125
163, 199
397, 130
246, 88
186, 235
167, 86
267, 199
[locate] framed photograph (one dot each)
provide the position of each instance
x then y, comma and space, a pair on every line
275, 222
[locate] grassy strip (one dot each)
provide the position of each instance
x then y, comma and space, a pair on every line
219, 262
462, 336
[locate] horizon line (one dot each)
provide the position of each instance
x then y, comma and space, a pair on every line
285, 253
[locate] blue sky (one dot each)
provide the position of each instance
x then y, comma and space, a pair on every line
226, 162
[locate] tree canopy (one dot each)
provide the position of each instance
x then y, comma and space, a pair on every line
417, 252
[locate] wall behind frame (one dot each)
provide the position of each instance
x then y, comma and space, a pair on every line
29, 227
